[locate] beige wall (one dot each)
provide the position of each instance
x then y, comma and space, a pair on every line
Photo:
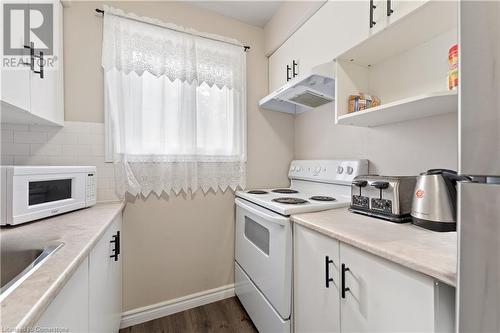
289, 17
178, 246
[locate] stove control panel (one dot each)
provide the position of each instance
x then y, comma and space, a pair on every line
328, 171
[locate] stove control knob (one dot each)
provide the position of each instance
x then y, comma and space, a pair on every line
317, 170
349, 170
340, 170
299, 169
293, 168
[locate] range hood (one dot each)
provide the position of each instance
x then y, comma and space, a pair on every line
305, 92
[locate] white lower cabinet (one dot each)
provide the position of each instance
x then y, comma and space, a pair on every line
379, 295
69, 311
105, 282
387, 297
91, 301
316, 282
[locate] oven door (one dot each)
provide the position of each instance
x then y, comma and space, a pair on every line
38, 196
264, 252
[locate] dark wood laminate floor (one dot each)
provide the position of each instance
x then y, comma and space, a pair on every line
224, 316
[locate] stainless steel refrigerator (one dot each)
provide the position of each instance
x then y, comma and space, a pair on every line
478, 290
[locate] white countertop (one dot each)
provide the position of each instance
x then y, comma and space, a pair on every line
428, 252
79, 230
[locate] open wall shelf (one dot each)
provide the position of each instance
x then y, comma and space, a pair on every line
426, 105
405, 65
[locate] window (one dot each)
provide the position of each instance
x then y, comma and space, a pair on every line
175, 108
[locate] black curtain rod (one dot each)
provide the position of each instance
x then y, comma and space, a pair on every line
245, 47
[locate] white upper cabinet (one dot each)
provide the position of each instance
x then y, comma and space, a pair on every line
320, 39
394, 10
16, 82
386, 12
47, 92
34, 93
376, 19
334, 28
280, 65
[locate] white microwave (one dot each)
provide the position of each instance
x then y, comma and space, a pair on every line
33, 192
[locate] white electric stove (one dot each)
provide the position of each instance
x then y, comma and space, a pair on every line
263, 254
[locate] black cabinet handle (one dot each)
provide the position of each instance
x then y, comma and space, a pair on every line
288, 69
116, 249
389, 8
328, 279
372, 7
41, 65
344, 288
295, 72
31, 47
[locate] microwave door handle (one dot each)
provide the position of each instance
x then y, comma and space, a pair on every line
279, 220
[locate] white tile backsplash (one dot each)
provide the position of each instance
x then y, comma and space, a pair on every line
77, 143
76, 150
15, 127
45, 149
7, 136
15, 149
29, 137
62, 138
90, 139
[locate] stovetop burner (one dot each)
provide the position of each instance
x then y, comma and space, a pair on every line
285, 191
322, 198
257, 192
290, 201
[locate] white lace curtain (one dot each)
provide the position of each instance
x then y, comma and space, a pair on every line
175, 108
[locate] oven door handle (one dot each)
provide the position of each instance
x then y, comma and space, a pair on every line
279, 220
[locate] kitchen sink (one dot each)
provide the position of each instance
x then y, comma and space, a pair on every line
18, 262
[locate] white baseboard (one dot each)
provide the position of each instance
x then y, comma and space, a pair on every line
162, 309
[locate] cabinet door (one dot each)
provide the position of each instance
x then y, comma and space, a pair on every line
47, 93
321, 39
400, 8
316, 306
324, 36
16, 76
379, 15
69, 311
105, 283
383, 296
277, 65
